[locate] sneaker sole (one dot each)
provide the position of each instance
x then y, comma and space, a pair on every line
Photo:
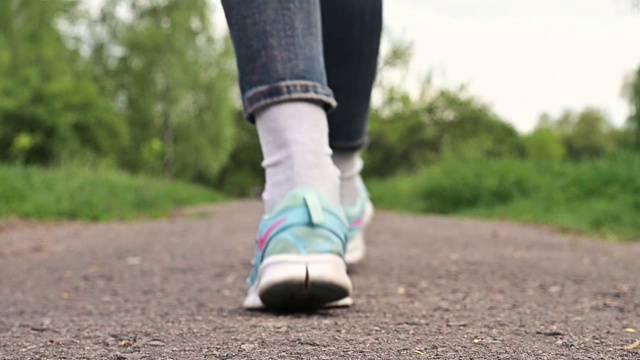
356, 249
297, 282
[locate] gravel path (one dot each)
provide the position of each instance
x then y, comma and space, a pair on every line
431, 288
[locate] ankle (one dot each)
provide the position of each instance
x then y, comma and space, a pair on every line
294, 137
350, 165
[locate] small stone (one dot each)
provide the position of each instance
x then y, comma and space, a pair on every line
634, 346
134, 260
555, 289
130, 356
247, 347
457, 323
155, 343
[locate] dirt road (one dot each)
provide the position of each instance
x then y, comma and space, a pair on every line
431, 288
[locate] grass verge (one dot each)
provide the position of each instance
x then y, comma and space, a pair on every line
76, 193
597, 197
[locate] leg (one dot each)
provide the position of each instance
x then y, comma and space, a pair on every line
284, 89
351, 35
351, 31
278, 47
301, 241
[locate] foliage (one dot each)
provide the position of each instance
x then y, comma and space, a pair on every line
461, 183
632, 93
91, 194
243, 174
587, 134
600, 196
50, 108
411, 130
147, 86
171, 78
544, 145
408, 134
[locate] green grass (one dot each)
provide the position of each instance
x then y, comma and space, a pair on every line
596, 197
91, 194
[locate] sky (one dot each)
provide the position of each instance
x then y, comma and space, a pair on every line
523, 57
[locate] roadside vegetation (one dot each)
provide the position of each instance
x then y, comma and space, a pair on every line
98, 194
157, 104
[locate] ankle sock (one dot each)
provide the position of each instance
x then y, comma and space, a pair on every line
350, 165
294, 137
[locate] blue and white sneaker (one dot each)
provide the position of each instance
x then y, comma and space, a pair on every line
358, 216
299, 257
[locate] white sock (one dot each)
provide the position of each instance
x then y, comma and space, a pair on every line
294, 137
350, 165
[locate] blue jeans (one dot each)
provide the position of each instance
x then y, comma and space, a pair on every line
324, 51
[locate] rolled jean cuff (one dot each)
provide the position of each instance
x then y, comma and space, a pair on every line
289, 90
349, 146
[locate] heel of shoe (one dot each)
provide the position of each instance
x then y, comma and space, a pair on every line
289, 282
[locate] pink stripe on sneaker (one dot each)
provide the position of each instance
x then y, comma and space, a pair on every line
263, 239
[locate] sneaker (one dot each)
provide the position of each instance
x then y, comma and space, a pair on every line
358, 217
299, 256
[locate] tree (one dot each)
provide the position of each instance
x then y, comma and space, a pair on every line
411, 130
50, 107
585, 134
543, 144
631, 91
243, 174
172, 79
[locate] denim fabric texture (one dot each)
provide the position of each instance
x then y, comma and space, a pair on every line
324, 51
351, 31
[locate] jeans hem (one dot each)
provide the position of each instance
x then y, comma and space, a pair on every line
262, 96
349, 146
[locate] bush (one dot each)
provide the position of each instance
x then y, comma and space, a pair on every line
88, 193
50, 107
599, 196
456, 185
415, 133
243, 174
543, 145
